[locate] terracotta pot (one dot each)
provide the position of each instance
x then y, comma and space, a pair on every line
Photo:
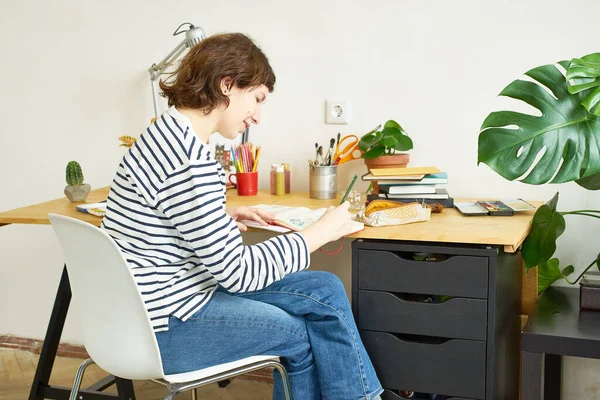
388, 161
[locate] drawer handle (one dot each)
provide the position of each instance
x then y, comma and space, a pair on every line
422, 257
421, 298
420, 339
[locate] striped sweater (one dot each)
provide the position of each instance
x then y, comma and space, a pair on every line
166, 212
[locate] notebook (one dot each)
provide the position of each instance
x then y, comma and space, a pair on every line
404, 171
440, 193
407, 189
296, 219
393, 178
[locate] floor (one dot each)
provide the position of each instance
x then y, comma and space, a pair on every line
17, 368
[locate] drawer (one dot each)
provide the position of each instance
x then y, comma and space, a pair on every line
465, 276
454, 367
390, 395
455, 318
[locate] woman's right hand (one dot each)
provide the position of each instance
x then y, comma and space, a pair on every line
337, 221
334, 224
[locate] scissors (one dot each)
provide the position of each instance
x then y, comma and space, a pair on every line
347, 150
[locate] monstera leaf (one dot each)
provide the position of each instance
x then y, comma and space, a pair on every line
591, 182
547, 225
549, 272
565, 138
586, 71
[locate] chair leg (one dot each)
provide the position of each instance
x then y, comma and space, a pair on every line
193, 394
171, 392
78, 378
287, 391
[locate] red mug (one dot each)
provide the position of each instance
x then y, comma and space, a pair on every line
246, 182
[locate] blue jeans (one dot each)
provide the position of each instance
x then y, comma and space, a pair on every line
305, 319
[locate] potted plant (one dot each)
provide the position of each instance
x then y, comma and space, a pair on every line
565, 139
383, 148
76, 190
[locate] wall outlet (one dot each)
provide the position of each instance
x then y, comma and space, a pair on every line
338, 111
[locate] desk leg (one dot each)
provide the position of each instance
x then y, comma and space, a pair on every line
125, 389
40, 389
52, 338
552, 376
531, 375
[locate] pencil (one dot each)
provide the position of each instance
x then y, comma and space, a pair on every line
349, 189
256, 159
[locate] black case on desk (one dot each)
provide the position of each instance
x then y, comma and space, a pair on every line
467, 346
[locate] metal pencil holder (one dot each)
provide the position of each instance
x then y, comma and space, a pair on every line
323, 182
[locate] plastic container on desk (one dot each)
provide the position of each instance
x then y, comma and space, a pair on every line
286, 170
272, 177
279, 181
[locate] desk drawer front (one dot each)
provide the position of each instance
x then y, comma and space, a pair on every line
455, 367
465, 276
390, 395
454, 318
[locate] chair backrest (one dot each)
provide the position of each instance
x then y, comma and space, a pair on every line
117, 332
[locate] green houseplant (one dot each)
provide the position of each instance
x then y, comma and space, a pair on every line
381, 146
76, 190
561, 145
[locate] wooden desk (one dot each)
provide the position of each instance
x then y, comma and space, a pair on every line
448, 227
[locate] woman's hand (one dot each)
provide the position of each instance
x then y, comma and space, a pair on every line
334, 224
251, 214
337, 221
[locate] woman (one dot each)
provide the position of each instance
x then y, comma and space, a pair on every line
210, 298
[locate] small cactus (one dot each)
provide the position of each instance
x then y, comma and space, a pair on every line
74, 174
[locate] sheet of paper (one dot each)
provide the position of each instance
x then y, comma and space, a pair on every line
274, 228
297, 217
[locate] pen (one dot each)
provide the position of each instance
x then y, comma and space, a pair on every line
349, 188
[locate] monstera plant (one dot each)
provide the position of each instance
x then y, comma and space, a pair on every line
560, 145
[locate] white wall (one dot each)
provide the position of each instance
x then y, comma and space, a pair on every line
75, 78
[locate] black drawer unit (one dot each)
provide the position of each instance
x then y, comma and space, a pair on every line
439, 318
389, 395
455, 318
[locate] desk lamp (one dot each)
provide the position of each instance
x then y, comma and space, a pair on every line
193, 35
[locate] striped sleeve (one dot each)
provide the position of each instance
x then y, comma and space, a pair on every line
192, 198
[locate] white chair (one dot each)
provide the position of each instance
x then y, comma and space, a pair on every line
115, 325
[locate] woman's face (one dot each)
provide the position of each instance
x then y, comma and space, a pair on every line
244, 110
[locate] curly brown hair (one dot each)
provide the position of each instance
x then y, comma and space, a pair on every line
196, 81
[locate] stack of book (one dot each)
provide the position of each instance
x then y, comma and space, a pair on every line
421, 184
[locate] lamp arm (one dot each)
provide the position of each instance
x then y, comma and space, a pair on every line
157, 69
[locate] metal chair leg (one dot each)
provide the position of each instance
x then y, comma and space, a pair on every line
287, 391
78, 378
171, 391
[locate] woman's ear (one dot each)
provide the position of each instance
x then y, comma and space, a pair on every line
226, 84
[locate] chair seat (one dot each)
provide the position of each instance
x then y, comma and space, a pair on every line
217, 369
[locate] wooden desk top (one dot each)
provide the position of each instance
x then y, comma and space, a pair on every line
450, 226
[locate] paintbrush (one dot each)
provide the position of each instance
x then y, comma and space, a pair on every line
320, 155
330, 151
